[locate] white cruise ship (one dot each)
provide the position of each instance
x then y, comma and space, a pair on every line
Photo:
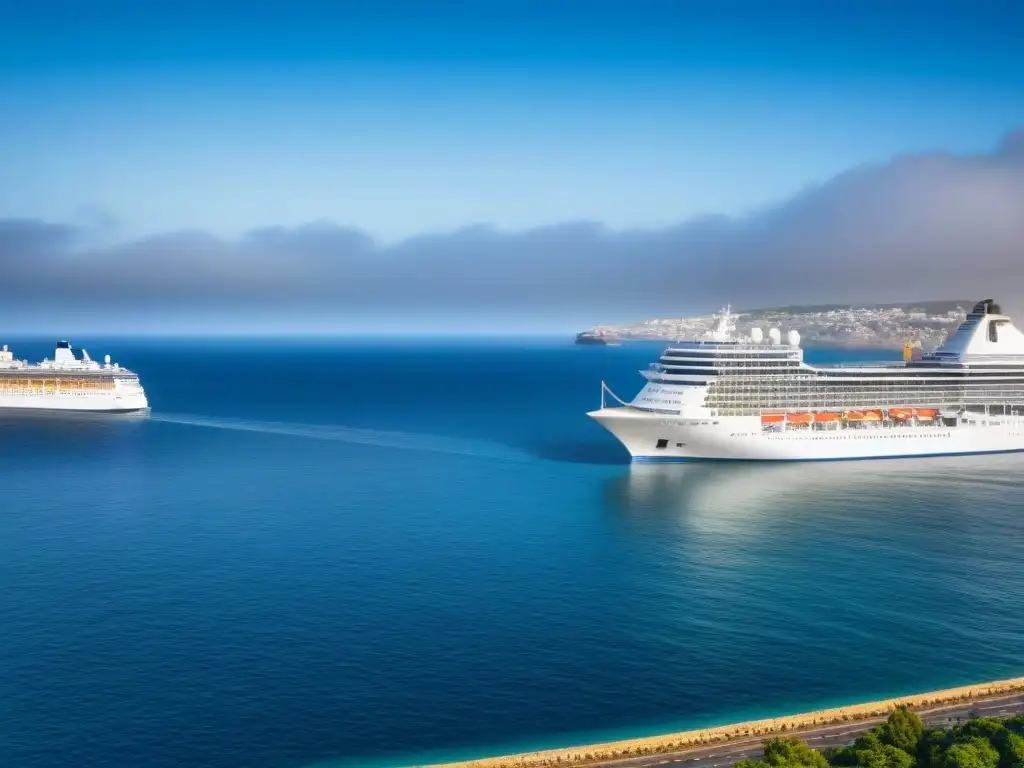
68, 383
756, 399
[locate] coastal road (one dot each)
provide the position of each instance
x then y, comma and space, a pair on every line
723, 755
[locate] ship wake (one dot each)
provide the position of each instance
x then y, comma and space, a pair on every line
410, 441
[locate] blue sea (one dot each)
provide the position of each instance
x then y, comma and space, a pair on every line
333, 553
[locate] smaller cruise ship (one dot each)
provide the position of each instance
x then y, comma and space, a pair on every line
597, 338
68, 383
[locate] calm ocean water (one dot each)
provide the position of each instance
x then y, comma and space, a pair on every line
333, 553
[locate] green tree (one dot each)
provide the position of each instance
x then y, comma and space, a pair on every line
790, 753
841, 757
981, 728
902, 730
870, 751
1011, 750
886, 756
868, 741
976, 753
786, 753
1015, 724
931, 748
903, 742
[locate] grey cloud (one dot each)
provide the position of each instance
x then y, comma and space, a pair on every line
1013, 146
24, 239
923, 226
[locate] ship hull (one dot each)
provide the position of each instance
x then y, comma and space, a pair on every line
57, 404
650, 437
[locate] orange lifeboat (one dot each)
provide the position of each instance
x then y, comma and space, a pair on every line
872, 415
773, 418
926, 413
899, 413
827, 417
800, 418
854, 416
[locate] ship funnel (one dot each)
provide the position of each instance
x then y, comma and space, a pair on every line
793, 337
775, 336
106, 361
63, 354
756, 335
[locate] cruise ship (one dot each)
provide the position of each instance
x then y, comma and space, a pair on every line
724, 397
597, 337
68, 384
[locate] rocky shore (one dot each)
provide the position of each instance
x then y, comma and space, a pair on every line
778, 726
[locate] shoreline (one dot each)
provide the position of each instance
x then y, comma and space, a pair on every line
723, 734
811, 344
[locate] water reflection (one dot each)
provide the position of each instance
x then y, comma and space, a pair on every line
58, 417
53, 432
831, 558
736, 498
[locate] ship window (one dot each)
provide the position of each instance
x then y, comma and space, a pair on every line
662, 444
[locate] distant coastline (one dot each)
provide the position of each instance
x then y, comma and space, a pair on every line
888, 346
766, 728
889, 326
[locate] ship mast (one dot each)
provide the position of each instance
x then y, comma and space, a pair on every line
725, 325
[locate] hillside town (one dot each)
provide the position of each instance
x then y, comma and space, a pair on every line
925, 324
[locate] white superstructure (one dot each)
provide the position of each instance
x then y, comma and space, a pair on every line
722, 397
68, 383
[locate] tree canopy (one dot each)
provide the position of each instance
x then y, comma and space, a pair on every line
904, 742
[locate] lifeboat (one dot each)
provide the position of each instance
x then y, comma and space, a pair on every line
901, 414
773, 418
827, 417
800, 418
872, 415
855, 416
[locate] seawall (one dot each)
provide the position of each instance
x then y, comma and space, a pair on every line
777, 726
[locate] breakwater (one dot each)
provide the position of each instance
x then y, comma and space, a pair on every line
767, 728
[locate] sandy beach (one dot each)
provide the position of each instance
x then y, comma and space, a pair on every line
671, 742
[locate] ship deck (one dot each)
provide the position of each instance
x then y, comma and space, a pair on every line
34, 372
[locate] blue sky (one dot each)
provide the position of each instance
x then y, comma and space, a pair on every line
257, 144
403, 118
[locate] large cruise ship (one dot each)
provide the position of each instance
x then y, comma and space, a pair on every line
68, 383
724, 397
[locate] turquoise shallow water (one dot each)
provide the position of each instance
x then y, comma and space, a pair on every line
369, 553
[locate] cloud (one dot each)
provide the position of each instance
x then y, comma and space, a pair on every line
923, 226
22, 240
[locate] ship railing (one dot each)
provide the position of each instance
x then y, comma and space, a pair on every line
606, 390
864, 364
